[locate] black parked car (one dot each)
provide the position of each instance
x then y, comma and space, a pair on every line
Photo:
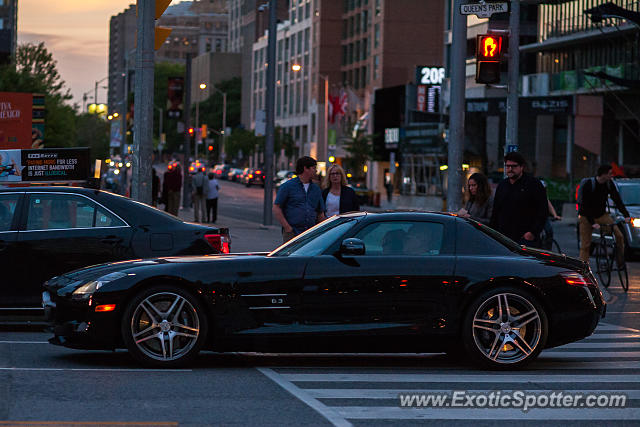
254, 176
387, 282
45, 232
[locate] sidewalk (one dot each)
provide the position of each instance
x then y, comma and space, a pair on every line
246, 236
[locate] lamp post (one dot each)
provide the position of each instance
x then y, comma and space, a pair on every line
224, 120
202, 86
322, 149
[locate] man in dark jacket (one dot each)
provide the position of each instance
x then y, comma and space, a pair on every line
520, 203
592, 210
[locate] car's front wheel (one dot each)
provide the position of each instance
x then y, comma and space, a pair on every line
505, 328
164, 326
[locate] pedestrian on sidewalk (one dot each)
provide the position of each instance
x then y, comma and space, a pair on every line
199, 190
520, 204
298, 205
478, 199
155, 185
174, 185
212, 198
337, 196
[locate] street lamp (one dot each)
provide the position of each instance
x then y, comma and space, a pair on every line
203, 86
322, 151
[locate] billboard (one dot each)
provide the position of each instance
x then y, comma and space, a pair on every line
21, 120
53, 164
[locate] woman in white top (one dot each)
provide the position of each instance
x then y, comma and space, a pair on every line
338, 197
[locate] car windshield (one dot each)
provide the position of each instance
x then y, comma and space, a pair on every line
630, 194
316, 240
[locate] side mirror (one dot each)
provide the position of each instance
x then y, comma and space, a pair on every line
351, 247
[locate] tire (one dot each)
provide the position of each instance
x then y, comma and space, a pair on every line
623, 275
491, 335
248, 184
603, 264
151, 316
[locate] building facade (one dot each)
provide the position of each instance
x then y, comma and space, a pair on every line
198, 27
8, 29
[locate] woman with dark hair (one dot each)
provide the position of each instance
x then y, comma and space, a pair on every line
478, 199
338, 198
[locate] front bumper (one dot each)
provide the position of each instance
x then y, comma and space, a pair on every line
75, 325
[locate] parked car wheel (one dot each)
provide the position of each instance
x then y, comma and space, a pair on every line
504, 328
164, 326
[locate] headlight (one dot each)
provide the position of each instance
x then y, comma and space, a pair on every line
635, 222
86, 290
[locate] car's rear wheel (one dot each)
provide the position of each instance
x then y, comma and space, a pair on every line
505, 328
164, 326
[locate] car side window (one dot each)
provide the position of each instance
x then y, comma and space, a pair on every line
63, 211
8, 204
412, 238
105, 218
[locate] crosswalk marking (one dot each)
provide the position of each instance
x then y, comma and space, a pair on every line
397, 413
607, 362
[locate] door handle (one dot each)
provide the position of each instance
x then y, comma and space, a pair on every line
111, 240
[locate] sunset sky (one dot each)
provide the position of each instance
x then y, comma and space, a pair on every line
77, 33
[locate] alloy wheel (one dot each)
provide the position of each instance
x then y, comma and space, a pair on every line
165, 326
507, 328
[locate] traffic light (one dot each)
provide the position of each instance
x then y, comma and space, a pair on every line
204, 131
191, 131
488, 55
210, 147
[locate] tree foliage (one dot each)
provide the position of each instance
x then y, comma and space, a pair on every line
34, 71
93, 132
360, 149
164, 71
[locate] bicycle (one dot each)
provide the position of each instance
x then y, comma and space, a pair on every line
548, 242
606, 249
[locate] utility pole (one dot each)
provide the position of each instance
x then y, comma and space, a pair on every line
270, 125
125, 111
456, 108
514, 74
186, 191
143, 106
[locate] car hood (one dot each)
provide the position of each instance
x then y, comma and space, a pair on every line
87, 274
634, 211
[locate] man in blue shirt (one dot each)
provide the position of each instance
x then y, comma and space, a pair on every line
298, 205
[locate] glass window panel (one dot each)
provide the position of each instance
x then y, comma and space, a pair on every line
8, 203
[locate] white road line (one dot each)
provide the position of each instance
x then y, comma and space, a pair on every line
24, 342
398, 413
460, 378
332, 416
623, 312
372, 393
611, 336
93, 369
609, 327
544, 363
559, 352
601, 345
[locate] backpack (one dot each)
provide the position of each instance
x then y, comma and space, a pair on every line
592, 182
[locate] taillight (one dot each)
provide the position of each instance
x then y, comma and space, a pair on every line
219, 242
250, 176
576, 279
258, 172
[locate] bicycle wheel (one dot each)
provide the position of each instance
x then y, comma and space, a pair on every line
623, 276
556, 247
603, 264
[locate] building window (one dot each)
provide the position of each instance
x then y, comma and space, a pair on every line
305, 96
376, 36
376, 67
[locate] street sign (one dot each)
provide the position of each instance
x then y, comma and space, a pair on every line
391, 138
512, 148
484, 10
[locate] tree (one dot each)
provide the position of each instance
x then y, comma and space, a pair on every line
93, 132
241, 140
36, 61
360, 148
211, 108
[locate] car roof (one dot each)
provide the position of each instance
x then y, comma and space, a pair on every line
404, 214
59, 189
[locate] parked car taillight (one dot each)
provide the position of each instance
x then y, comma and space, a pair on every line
219, 242
576, 279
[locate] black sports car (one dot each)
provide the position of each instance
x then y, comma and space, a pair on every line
45, 232
360, 282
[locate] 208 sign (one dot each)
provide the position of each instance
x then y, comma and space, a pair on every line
430, 75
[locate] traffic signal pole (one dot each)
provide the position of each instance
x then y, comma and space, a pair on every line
513, 76
186, 186
143, 104
456, 109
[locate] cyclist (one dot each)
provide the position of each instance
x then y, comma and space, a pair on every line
592, 210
